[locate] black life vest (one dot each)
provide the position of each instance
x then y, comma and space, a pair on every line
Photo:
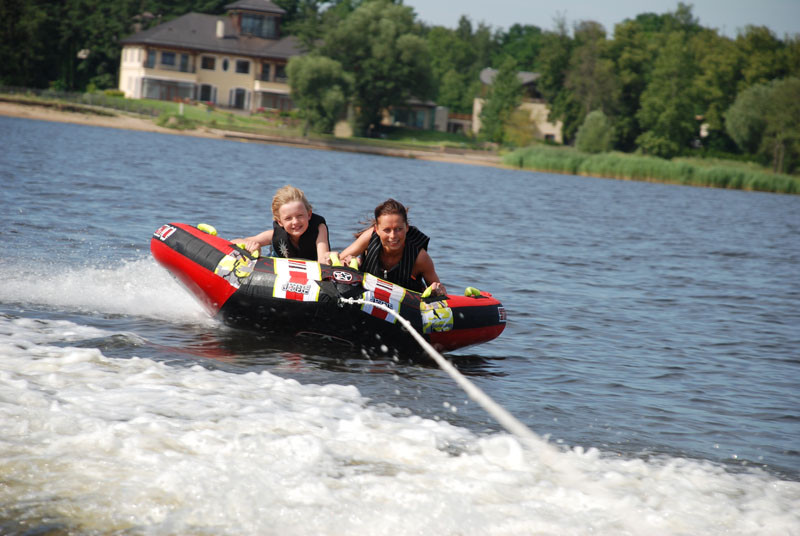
400, 274
282, 245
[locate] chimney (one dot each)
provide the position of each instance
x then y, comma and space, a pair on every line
220, 29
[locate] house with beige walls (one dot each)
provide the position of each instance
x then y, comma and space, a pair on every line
237, 61
532, 103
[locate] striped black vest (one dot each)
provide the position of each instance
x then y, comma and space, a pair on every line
401, 273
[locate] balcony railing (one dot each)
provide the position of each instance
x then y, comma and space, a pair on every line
178, 68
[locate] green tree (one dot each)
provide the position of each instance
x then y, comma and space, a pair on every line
378, 45
481, 40
792, 55
303, 18
596, 134
320, 88
634, 49
636, 45
745, 120
73, 44
763, 56
553, 65
90, 35
457, 91
718, 73
520, 131
590, 77
505, 94
521, 42
27, 42
765, 119
667, 113
454, 68
782, 132
457, 57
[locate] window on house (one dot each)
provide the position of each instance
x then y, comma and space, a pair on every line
151, 59
185, 63
242, 66
208, 93
167, 58
239, 98
280, 73
225, 64
259, 26
265, 67
208, 62
275, 101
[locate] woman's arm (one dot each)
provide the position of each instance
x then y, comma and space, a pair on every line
356, 248
424, 266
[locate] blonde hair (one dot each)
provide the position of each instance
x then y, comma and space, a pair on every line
288, 194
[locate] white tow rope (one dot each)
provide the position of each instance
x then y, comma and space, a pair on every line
508, 421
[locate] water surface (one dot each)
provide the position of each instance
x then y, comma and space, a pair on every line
652, 344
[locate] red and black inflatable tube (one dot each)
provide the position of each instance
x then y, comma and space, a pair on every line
259, 294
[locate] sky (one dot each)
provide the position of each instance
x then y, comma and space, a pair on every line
727, 16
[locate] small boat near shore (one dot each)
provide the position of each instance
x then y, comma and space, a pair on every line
304, 298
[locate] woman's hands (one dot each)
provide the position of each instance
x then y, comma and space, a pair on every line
438, 289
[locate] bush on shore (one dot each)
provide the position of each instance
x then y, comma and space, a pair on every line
649, 168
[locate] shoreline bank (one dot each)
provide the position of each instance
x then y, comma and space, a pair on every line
128, 122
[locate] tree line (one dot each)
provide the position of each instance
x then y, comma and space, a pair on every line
649, 88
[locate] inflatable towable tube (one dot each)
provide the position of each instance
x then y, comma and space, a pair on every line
301, 297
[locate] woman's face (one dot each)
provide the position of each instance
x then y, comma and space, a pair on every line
391, 229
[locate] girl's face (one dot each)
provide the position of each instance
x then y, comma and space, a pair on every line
293, 217
391, 229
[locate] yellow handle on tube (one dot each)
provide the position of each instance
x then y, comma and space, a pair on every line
253, 254
472, 291
208, 229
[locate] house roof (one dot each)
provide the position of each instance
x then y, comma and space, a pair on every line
487, 76
196, 31
264, 6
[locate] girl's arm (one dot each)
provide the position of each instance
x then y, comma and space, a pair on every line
252, 243
323, 252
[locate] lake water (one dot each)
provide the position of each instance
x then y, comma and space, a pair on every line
653, 345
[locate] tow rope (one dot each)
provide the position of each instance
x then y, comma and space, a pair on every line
500, 414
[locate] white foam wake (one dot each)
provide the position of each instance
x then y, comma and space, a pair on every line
139, 288
130, 445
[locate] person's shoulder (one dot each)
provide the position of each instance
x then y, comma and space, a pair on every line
417, 238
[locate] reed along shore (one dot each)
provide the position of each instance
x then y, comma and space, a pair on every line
689, 171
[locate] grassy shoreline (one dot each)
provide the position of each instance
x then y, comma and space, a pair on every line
198, 119
686, 171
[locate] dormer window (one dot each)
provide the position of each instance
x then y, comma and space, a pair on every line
259, 26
